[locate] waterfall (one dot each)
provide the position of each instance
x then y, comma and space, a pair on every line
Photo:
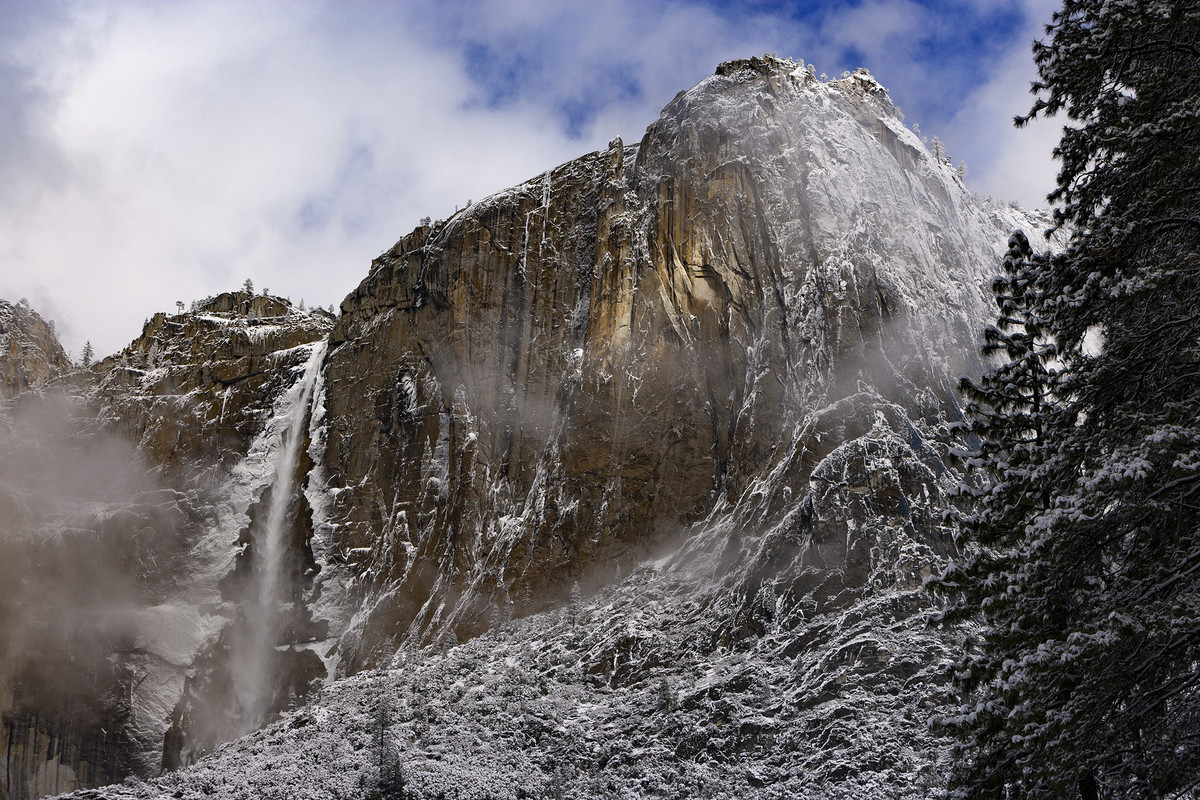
266, 604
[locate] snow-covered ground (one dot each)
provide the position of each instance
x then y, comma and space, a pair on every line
625, 696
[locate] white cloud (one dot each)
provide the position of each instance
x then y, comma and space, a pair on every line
1006, 162
875, 26
208, 144
167, 151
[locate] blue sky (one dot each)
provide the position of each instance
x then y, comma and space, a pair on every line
163, 151
951, 43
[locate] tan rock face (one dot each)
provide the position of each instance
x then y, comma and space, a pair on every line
446, 375
650, 337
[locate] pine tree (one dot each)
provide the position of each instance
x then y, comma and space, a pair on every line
938, 150
664, 695
391, 776
1003, 423
1004, 409
85, 357
1082, 562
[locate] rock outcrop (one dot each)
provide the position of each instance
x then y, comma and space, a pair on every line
30, 353
194, 389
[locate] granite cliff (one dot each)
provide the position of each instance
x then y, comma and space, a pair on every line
30, 354
648, 340
620, 482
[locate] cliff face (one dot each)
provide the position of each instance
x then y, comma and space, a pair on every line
647, 338
126, 508
30, 353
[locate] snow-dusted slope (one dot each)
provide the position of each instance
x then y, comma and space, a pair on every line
622, 697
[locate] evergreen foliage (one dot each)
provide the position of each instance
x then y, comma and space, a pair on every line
1081, 565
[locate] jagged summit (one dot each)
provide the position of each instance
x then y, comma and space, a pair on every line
195, 381
771, 66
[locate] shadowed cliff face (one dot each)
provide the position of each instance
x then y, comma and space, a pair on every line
650, 338
124, 545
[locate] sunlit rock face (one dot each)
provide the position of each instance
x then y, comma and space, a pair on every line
651, 337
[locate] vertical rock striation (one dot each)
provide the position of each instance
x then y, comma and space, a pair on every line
650, 337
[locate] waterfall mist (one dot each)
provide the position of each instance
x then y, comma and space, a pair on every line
90, 540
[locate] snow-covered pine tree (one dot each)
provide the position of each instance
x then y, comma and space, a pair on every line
1083, 562
1004, 427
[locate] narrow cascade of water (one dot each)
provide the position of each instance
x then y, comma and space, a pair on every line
265, 608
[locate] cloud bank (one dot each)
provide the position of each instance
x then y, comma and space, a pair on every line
167, 151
